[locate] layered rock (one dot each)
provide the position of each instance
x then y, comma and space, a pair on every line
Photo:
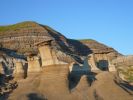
101, 56
52, 62
123, 60
48, 55
29, 33
124, 67
25, 33
54, 48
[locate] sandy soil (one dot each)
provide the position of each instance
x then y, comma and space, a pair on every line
53, 84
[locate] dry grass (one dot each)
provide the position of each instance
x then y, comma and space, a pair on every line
17, 26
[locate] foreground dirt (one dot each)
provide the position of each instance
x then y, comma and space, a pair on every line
52, 84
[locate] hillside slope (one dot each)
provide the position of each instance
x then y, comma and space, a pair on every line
53, 85
48, 65
24, 35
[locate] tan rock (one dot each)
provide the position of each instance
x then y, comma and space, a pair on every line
1, 69
92, 62
33, 64
123, 60
111, 67
48, 55
19, 72
83, 83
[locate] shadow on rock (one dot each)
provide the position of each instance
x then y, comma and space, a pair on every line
35, 96
124, 85
74, 78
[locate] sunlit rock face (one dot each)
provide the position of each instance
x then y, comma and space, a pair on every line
33, 64
48, 55
19, 70
26, 36
92, 63
100, 55
53, 48
124, 66
123, 60
45, 63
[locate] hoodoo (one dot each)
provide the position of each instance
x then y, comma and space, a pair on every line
33, 64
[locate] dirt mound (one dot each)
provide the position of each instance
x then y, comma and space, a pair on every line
105, 88
52, 83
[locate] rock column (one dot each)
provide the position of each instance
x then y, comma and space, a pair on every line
92, 63
33, 64
46, 55
19, 72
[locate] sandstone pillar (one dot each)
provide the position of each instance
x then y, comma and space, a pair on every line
92, 63
46, 55
19, 72
33, 64
111, 67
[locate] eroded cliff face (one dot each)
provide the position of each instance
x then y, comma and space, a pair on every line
124, 66
100, 50
24, 42
22, 38
101, 55
33, 51
123, 60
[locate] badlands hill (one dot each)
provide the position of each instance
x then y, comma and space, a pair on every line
24, 35
39, 63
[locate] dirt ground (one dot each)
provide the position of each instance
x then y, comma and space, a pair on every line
53, 84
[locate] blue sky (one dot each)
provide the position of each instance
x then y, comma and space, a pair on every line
107, 21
